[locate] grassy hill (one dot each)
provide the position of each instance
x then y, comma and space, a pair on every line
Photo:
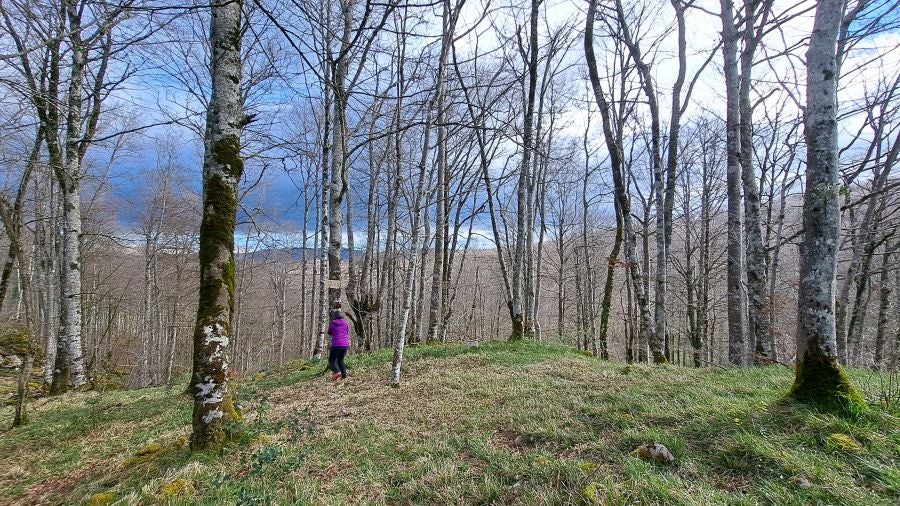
501, 423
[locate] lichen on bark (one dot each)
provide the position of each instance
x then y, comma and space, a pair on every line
214, 411
819, 379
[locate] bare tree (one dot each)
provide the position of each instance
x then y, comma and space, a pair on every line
819, 377
623, 201
68, 114
222, 170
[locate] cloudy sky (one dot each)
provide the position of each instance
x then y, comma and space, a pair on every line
279, 192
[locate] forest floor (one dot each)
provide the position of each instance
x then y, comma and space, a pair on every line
500, 423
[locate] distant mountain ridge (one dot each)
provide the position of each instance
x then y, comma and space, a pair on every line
296, 254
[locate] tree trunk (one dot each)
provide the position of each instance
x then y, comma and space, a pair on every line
322, 315
222, 170
819, 377
338, 177
419, 286
448, 24
519, 259
860, 306
737, 348
623, 200
757, 261
606, 304
884, 305
440, 225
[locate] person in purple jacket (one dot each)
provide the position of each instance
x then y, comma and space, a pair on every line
340, 343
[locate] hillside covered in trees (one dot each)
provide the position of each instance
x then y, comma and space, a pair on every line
196, 194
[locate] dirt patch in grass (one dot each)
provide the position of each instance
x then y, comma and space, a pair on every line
510, 441
60, 486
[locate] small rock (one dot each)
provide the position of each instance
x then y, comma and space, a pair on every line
10, 362
655, 453
803, 482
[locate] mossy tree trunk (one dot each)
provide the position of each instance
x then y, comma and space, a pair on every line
819, 377
606, 304
222, 169
22, 338
613, 134
21, 416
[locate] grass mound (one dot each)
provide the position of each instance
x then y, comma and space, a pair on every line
504, 423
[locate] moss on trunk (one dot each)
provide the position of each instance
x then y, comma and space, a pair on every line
214, 409
518, 328
60, 383
820, 381
214, 414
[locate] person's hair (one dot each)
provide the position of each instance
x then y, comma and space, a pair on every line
336, 314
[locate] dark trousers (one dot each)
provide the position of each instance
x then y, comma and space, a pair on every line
336, 360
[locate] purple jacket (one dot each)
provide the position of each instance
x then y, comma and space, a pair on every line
339, 332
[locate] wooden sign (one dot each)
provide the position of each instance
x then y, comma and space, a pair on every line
333, 283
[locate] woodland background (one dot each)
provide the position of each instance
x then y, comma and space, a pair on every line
134, 150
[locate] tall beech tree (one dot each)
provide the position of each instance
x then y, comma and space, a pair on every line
736, 328
623, 200
519, 255
756, 14
222, 170
819, 377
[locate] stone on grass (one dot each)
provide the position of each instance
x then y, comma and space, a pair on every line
10, 362
803, 482
654, 453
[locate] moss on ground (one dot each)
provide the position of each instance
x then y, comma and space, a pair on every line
501, 423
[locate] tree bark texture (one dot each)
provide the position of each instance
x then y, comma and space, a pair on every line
819, 377
737, 348
222, 170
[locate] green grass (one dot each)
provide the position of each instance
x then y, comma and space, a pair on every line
521, 423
